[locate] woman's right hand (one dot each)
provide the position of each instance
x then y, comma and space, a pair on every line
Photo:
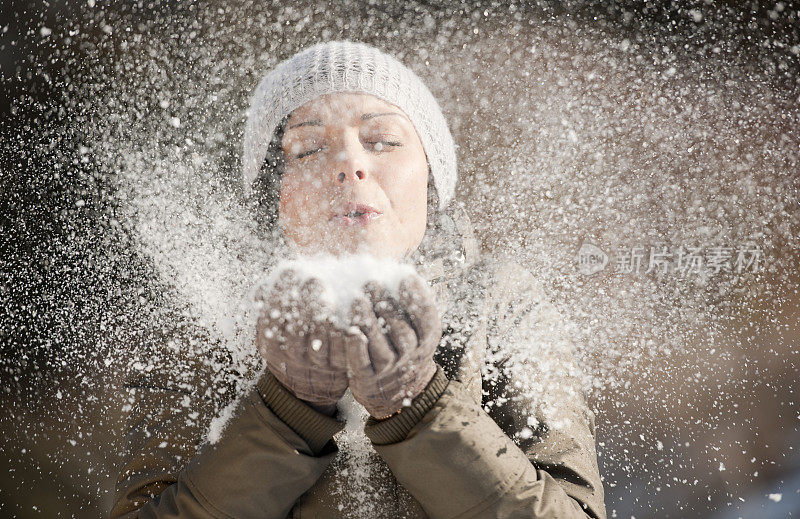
300, 343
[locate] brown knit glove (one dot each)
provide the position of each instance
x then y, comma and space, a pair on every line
302, 346
392, 358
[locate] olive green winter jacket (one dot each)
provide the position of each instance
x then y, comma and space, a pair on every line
490, 436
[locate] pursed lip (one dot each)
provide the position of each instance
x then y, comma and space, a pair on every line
353, 213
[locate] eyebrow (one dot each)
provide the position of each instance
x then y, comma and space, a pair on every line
364, 117
315, 122
371, 116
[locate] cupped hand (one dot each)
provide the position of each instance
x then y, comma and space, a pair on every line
391, 358
302, 346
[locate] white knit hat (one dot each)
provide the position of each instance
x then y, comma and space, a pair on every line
345, 66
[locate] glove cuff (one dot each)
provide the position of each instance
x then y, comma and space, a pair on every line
316, 428
396, 428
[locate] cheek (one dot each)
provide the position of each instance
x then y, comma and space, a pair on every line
299, 198
407, 190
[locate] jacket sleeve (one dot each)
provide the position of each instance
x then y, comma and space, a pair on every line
530, 452
258, 466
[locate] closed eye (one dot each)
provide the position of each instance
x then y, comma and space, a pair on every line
383, 144
307, 153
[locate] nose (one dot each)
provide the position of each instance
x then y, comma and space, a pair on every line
341, 176
349, 162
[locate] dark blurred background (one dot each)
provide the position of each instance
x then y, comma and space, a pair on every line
71, 276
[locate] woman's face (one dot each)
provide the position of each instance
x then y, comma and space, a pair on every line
355, 178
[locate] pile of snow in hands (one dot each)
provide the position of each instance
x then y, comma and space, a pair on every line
342, 277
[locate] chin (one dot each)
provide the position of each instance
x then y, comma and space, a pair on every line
376, 243
380, 249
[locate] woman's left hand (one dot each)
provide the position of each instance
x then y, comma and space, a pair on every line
393, 361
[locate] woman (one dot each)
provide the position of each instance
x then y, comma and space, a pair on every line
475, 404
